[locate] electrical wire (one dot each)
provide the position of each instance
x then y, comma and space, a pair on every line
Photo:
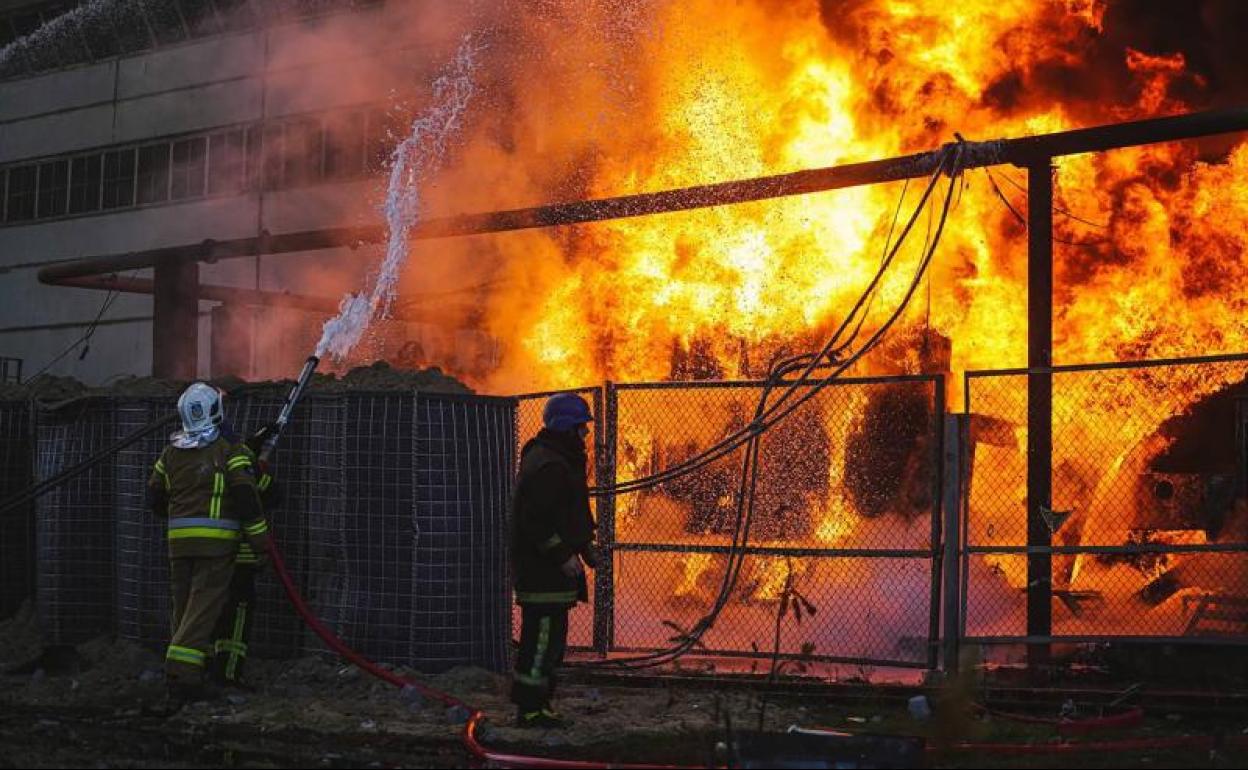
1064, 212
749, 474
109, 299
1021, 218
827, 357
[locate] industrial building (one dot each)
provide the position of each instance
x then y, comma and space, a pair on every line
127, 127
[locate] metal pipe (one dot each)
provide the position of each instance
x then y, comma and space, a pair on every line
240, 296
1023, 151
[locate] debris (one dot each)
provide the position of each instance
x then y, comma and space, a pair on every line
413, 697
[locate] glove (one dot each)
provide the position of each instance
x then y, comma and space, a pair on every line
256, 442
572, 567
590, 557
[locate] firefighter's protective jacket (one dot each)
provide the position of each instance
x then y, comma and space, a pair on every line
210, 496
551, 519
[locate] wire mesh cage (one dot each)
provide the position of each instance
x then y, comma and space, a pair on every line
17, 526
391, 509
74, 524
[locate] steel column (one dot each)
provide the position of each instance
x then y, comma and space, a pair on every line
954, 456
606, 412
175, 327
1039, 404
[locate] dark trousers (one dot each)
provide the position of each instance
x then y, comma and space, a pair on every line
543, 641
200, 588
233, 630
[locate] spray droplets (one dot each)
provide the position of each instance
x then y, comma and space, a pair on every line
415, 159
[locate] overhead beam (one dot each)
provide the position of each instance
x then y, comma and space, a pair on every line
1021, 152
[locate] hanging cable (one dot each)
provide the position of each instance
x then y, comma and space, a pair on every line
1023, 219
749, 474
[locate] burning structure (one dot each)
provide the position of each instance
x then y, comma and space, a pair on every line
1085, 260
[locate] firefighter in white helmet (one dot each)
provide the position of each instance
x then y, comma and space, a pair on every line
205, 484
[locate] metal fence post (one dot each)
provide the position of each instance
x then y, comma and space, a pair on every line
955, 428
938, 494
1039, 408
606, 408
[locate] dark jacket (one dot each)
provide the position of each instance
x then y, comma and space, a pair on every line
551, 519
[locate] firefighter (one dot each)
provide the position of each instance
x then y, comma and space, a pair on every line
204, 485
233, 631
552, 542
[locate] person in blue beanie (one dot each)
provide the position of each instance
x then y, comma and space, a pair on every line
552, 543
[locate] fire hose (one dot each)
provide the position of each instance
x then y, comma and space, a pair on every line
475, 716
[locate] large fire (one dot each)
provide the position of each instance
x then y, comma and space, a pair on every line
608, 98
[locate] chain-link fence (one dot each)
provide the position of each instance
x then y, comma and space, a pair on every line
845, 513
1145, 532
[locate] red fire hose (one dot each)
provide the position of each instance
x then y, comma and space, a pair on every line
1129, 718
475, 715
501, 759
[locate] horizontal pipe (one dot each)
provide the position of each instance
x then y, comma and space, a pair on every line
255, 297
209, 292
1016, 151
213, 250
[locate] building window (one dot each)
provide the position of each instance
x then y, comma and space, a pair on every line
119, 179
53, 188
302, 159
189, 162
20, 195
226, 161
84, 185
153, 184
344, 146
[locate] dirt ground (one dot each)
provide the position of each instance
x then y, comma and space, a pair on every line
96, 707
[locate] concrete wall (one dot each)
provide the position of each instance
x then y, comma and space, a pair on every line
188, 87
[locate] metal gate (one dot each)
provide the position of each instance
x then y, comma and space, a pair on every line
847, 514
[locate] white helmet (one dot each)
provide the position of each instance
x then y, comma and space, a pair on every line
200, 408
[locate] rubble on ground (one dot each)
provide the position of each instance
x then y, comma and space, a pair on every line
49, 390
